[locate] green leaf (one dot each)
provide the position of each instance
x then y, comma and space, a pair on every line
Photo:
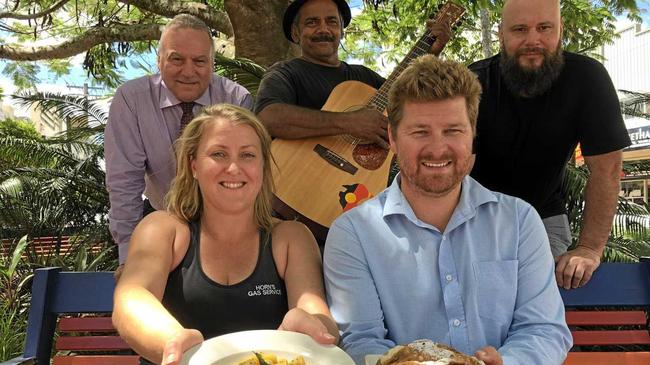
16, 255
241, 70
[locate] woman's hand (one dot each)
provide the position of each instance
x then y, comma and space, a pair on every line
297, 320
175, 347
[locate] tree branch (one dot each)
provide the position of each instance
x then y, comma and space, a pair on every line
18, 16
215, 19
82, 43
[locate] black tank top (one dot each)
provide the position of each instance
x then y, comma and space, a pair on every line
196, 301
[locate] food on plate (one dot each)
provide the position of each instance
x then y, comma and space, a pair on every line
426, 352
267, 358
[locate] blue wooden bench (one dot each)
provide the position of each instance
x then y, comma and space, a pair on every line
56, 293
84, 338
613, 285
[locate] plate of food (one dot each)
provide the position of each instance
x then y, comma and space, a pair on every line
422, 352
264, 347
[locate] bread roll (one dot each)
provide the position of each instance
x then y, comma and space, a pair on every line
426, 352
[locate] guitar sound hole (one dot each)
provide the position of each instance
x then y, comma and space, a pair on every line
369, 156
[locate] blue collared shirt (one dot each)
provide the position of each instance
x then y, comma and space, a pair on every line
487, 280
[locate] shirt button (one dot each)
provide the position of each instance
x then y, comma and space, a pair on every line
444, 237
448, 277
456, 322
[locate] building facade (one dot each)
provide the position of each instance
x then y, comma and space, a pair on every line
627, 60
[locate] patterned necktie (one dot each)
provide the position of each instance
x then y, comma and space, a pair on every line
188, 114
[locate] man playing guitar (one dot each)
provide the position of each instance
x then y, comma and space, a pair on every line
293, 92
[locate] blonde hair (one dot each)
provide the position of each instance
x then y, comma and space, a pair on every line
429, 78
184, 198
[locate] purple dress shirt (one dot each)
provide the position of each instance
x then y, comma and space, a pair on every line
143, 122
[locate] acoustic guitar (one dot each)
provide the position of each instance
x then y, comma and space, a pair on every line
320, 178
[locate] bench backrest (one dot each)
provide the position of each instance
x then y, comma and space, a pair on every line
613, 284
55, 292
617, 285
48, 246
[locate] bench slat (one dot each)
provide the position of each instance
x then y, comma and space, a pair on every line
97, 360
86, 324
581, 338
605, 318
608, 358
91, 343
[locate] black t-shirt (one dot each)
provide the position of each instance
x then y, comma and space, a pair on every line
523, 144
306, 84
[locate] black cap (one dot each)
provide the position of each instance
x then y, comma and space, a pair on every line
295, 6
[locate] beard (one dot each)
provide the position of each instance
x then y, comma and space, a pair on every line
436, 184
535, 81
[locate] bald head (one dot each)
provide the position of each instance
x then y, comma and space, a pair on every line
518, 9
529, 28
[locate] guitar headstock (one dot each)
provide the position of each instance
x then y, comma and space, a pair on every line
449, 13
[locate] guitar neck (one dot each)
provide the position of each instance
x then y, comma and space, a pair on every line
380, 100
449, 14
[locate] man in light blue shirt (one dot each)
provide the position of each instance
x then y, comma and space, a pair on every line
436, 255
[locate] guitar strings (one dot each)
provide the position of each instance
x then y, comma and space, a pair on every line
379, 101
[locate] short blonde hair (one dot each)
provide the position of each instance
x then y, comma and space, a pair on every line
184, 198
429, 78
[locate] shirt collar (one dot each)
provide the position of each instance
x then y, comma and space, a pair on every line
168, 99
472, 196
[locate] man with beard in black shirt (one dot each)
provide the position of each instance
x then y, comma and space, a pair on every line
538, 103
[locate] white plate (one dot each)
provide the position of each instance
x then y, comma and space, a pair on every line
234, 347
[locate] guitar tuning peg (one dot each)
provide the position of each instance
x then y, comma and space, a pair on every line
458, 24
439, 6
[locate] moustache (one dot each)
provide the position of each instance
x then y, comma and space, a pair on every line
529, 50
322, 38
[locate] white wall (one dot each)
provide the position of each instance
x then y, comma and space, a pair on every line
628, 58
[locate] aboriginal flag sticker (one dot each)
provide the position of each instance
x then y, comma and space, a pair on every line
353, 195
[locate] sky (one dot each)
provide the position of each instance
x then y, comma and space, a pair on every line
73, 82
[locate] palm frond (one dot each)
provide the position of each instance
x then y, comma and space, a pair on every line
41, 199
630, 237
88, 134
241, 70
77, 111
575, 182
16, 151
54, 185
32, 152
621, 249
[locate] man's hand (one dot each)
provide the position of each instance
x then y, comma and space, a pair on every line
442, 33
370, 125
297, 320
574, 268
489, 356
182, 342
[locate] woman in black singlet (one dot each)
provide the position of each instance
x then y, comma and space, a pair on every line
216, 261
